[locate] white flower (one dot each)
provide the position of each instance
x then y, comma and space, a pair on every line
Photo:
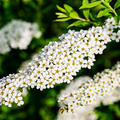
116, 36
17, 34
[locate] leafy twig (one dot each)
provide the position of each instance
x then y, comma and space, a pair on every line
107, 4
82, 19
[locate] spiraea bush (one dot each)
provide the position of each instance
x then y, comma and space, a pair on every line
91, 45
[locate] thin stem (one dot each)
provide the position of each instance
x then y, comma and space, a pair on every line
110, 7
82, 19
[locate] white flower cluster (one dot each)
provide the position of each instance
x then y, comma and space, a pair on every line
87, 112
59, 61
11, 91
86, 91
84, 113
17, 34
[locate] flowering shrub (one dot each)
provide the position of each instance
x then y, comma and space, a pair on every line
59, 61
17, 34
79, 99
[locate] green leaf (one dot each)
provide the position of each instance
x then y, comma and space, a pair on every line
108, 1
74, 14
85, 2
62, 19
79, 24
105, 12
117, 4
61, 15
58, 13
93, 17
68, 8
102, 6
90, 5
61, 9
117, 18
86, 12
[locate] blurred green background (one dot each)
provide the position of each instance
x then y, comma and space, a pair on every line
43, 105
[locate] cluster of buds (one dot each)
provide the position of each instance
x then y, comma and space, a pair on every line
17, 34
59, 61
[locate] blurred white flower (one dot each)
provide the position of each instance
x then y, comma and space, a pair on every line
84, 113
17, 34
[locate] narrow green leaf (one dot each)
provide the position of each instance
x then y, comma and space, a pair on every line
61, 9
90, 5
79, 24
61, 15
85, 2
58, 13
105, 12
117, 19
62, 19
102, 6
93, 17
108, 1
68, 8
74, 14
86, 11
117, 4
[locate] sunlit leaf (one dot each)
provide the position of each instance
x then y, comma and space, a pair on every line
68, 8
74, 14
105, 12
61, 9
79, 24
108, 1
117, 4
91, 5
61, 15
63, 19
86, 11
